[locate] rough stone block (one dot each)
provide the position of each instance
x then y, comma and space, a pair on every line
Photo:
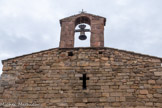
116, 94
159, 90
151, 81
1, 89
111, 99
143, 91
131, 99
158, 73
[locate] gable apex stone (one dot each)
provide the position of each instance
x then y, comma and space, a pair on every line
80, 15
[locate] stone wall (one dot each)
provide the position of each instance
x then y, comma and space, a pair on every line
51, 79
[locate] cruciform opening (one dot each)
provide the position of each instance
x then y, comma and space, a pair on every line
84, 78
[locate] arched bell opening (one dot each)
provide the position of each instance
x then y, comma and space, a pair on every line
82, 19
69, 31
82, 42
82, 32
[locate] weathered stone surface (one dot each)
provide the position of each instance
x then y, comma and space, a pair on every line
52, 79
151, 81
131, 99
111, 99
158, 73
1, 89
143, 91
116, 94
159, 90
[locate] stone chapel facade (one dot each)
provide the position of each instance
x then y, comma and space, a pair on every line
92, 77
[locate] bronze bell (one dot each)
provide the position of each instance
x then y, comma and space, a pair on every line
82, 31
82, 37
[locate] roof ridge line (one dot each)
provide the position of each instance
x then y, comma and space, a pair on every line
146, 55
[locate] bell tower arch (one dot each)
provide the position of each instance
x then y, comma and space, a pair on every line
68, 25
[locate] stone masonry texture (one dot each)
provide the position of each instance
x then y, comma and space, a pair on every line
68, 25
51, 79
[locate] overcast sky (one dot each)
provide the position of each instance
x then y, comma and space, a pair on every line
28, 26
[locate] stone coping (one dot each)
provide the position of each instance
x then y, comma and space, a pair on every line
77, 48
